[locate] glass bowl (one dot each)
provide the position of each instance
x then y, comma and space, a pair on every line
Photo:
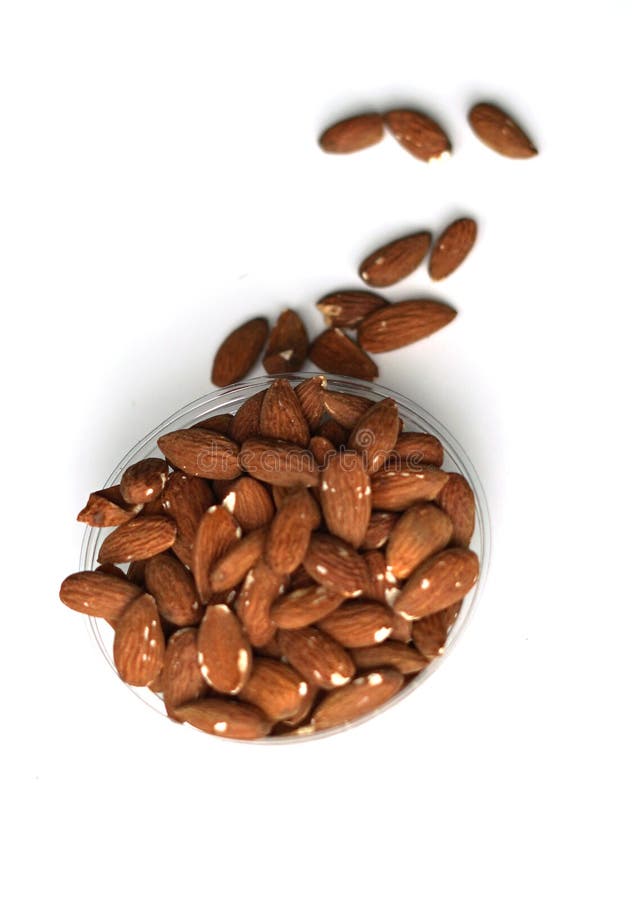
228, 400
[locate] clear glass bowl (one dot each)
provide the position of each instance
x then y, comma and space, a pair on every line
228, 400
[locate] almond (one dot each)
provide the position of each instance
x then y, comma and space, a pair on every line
173, 588
138, 539
319, 658
307, 702
396, 260
203, 453
182, 680
275, 688
336, 565
304, 606
107, 507
216, 532
437, 583
248, 501
364, 695
246, 421
345, 496
287, 345
277, 462
375, 433
422, 531
431, 633
334, 352
380, 526
290, 531
500, 132
139, 644
239, 352
98, 593
417, 448
355, 133
457, 500
185, 499
346, 409
233, 566
225, 718
311, 393
358, 623
321, 449
346, 309
144, 480
224, 654
451, 248
136, 572
382, 585
403, 323
393, 654
221, 423
418, 133
281, 415
334, 433
258, 592
397, 490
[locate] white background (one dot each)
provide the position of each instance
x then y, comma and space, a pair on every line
161, 183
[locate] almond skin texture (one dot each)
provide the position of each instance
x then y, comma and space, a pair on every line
280, 463
239, 352
200, 452
418, 133
400, 324
185, 499
380, 527
260, 589
182, 680
422, 531
98, 593
375, 434
346, 309
275, 688
216, 533
317, 657
281, 415
417, 448
397, 490
346, 409
138, 539
336, 565
334, 352
345, 497
290, 531
358, 623
144, 481
438, 582
246, 421
431, 633
457, 500
233, 567
173, 589
451, 248
225, 718
382, 585
106, 508
224, 654
499, 131
310, 395
287, 345
393, 654
364, 695
305, 606
248, 501
139, 644
394, 261
352, 134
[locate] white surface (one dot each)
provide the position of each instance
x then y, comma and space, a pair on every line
161, 183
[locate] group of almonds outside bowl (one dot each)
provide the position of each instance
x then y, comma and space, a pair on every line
290, 567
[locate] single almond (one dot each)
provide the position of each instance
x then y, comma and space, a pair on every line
319, 658
221, 423
352, 134
321, 449
418, 133
421, 531
275, 688
304, 606
139, 644
206, 454
431, 633
457, 500
182, 680
451, 248
336, 565
100, 594
248, 500
304, 710
246, 421
311, 393
239, 352
382, 585
281, 415
379, 528
277, 462
345, 496
173, 588
395, 490
224, 653
290, 531
393, 654
234, 565
396, 260
346, 309
216, 533
260, 589
107, 507
500, 132
362, 696
375, 434
334, 352
225, 718
437, 583
185, 499
358, 623
287, 345
400, 324
138, 539
346, 409
144, 481
417, 448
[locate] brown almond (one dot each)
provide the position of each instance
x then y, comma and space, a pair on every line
319, 658
275, 688
239, 352
451, 248
225, 718
310, 395
224, 653
346, 409
206, 454
437, 583
173, 588
98, 594
457, 500
358, 623
380, 526
136, 572
304, 606
334, 433
336, 565
403, 323
396, 260
248, 501
234, 565
281, 416
345, 497
417, 448
346, 309
422, 531
138, 539
395, 490
287, 345
352, 134
357, 699
418, 133
182, 680
221, 423
321, 449
185, 499
144, 481
375, 434
216, 533
382, 585
500, 132
260, 589
139, 644
334, 352
246, 421
431, 633
393, 654
290, 531
277, 462
304, 709
107, 507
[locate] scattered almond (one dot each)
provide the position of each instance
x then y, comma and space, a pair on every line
239, 352
394, 261
451, 248
287, 345
402, 323
355, 133
334, 352
418, 133
346, 309
500, 132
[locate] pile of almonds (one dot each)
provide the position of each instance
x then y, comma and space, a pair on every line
289, 568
